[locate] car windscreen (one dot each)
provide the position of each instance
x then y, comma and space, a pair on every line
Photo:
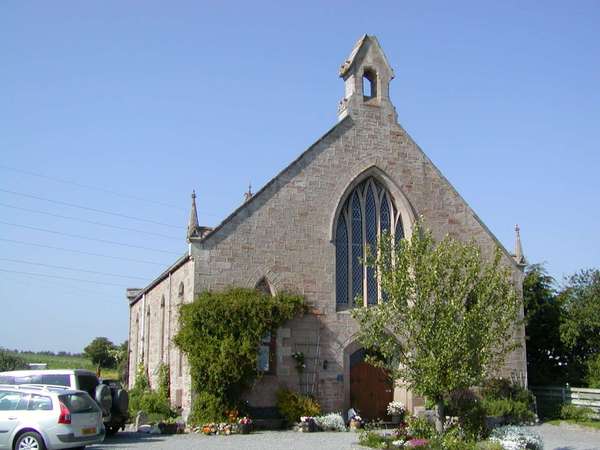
87, 383
79, 403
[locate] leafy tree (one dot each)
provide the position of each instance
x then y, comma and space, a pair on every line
11, 362
120, 354
100, 351
580, 321
546, 357
447, 318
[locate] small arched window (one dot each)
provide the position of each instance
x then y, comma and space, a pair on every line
369, 84
180, 292
367, 213
161, 344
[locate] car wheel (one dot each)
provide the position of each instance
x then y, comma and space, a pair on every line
30, 441
112, 430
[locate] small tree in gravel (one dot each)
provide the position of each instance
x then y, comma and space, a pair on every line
447, 317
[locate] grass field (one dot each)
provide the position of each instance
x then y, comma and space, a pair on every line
64, 362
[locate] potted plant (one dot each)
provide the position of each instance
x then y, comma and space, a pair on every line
168, 426
396, 410
245, 424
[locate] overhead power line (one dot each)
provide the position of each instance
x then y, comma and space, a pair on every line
77, 236
87, 208
81, 252
93, 222
87, 186
74, 269
58, 277
50, 286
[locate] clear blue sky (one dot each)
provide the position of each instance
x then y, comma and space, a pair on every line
137, 103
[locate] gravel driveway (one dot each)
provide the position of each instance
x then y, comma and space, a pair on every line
568, 437
564, 437
285, 440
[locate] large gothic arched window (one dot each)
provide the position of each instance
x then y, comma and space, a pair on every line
368, 212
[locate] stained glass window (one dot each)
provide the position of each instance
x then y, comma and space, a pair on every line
357, 248
368, 212
341, 261
371, 237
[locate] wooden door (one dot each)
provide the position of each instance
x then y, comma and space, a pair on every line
370, 391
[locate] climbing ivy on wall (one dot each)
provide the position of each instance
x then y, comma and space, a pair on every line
220, 334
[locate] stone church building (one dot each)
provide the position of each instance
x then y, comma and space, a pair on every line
305, 232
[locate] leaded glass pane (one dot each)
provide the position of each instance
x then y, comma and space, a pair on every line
385, 215
399, 233
357, 248
371, 235
341, 261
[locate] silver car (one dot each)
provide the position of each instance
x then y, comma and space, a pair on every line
35, 417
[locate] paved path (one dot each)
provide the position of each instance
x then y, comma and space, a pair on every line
564, 437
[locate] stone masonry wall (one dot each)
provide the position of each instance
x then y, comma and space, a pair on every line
285, 234
153, 324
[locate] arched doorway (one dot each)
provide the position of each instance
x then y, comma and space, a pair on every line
370, 388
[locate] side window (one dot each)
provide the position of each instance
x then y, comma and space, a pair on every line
29, 379
56, 380
40, 403
12, 401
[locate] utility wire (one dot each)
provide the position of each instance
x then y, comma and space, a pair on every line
51, 247
90, 222
104, 241
69, 288
59, 277
87, 208
87, 186
72, 269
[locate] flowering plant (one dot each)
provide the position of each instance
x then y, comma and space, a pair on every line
516, 438
395, 408
245, 421
331, 422
415, 443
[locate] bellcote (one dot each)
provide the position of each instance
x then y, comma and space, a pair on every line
367, 75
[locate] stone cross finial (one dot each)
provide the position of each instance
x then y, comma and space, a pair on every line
248, 195
193, 223
519, 258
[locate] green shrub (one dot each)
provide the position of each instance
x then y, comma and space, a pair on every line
293, 405
465, 405
592, 376
207, 408
577, 413
372, 439
164, 380
489, 445
420, 427
10, 361
220, 333
503, 398
152, 403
